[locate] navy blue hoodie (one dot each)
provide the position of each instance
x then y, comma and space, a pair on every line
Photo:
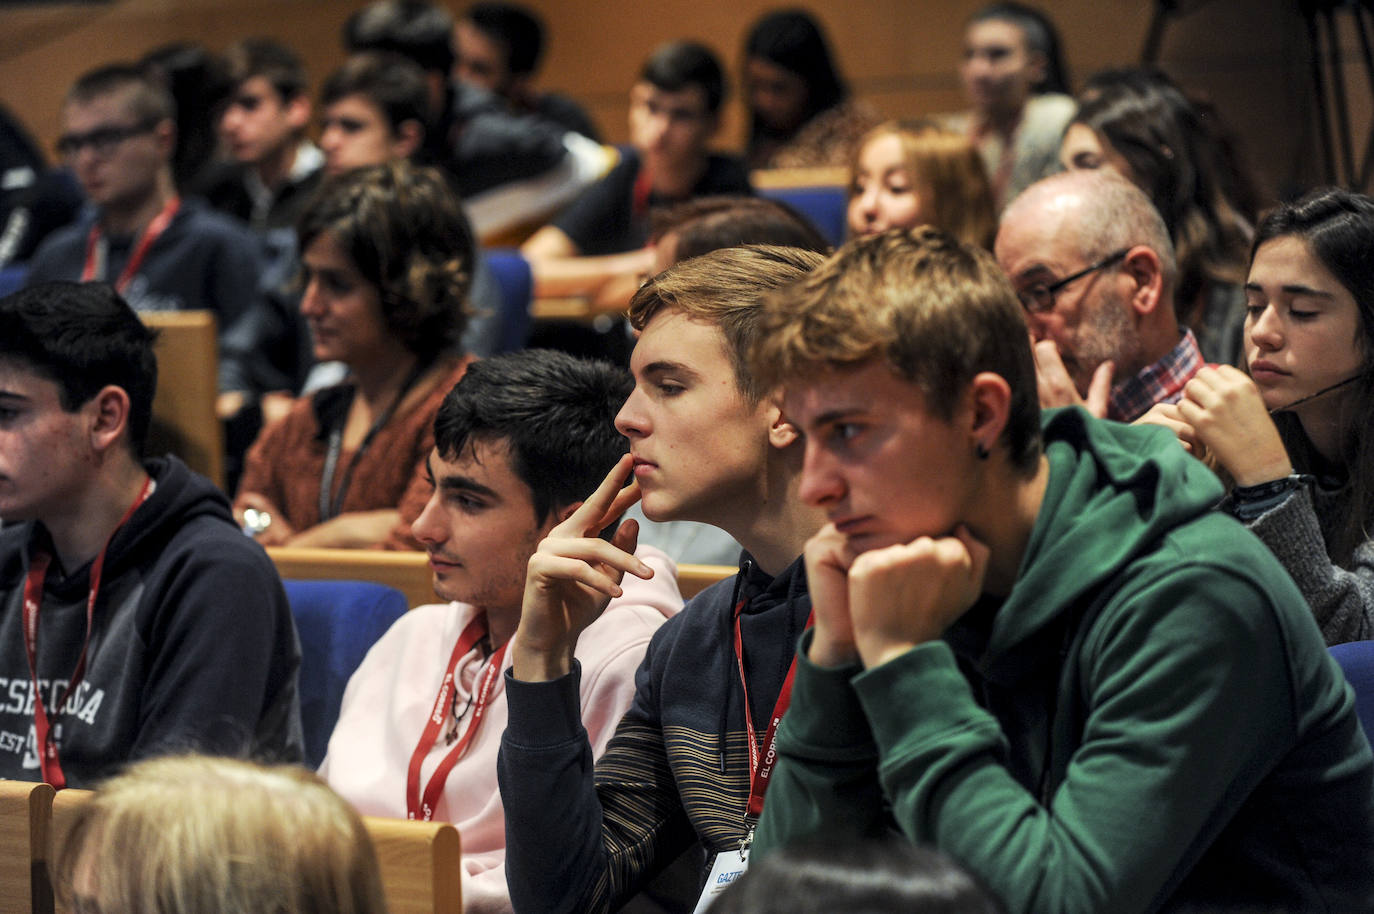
677, 770
192, 645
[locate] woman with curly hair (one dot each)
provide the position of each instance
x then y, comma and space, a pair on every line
387, 258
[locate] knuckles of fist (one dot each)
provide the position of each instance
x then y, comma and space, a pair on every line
904, 594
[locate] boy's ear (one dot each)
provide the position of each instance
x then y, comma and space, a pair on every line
165, 134
990, 399
298, 112
109, 424
782, 433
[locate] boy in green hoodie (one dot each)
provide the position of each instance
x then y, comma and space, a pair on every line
1036, 646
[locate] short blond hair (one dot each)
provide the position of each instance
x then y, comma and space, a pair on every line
724, 288
949, 171
937, 311
202, 835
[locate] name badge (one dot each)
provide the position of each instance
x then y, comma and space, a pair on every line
727, 867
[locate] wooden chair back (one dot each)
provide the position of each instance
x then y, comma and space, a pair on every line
693, 579
408, 572
64, 807
25, 811
184, 418
421, 865
765, 179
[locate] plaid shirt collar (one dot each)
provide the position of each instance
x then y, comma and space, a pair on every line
1161, 382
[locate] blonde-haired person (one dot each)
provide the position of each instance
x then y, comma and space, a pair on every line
910, 173
203, 835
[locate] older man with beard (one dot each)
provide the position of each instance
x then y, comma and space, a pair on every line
1093, 266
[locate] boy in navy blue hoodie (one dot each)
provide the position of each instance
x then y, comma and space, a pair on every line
161, 252
135, 617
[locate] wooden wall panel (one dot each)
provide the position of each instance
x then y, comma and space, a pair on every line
1249, 55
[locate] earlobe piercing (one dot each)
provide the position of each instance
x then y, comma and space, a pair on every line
982, 452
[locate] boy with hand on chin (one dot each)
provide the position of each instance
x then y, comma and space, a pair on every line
1037, 647
707, 444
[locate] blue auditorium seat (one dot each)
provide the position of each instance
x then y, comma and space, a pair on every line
338, 622
513, 275
825, 206
1357, 661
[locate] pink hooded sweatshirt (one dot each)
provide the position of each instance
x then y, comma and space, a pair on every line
389, 699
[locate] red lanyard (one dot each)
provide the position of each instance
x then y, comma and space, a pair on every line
416, 807
761, 768
49, 763
96, 247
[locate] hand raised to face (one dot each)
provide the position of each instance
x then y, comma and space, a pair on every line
909, 594
572, 575
881, 603
1056, 387
1228, 416
828, 557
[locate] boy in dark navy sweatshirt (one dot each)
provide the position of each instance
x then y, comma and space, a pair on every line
161, 252
135, 617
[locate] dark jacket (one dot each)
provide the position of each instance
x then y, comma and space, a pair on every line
204, 260
192, 644
606, 220
677, 770
484, 145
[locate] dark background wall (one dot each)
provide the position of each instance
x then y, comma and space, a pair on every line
1249, 56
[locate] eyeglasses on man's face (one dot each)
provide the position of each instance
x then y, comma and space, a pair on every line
102, 140
1039, 297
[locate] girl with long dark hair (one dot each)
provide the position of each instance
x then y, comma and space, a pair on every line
1296, 431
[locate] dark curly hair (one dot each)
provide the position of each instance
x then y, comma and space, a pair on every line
405, 232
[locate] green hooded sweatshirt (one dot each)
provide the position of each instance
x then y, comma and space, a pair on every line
1149, 720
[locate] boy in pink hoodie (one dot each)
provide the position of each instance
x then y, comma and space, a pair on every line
520, 441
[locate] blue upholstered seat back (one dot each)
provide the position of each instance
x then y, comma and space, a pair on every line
338, 622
